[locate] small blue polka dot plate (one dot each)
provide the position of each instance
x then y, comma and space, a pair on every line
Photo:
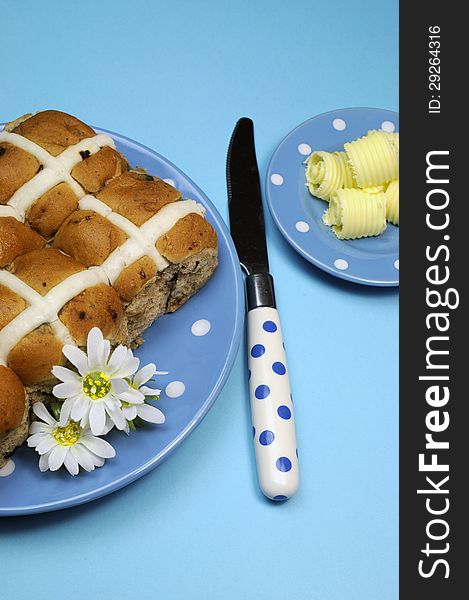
298, 214
197, 345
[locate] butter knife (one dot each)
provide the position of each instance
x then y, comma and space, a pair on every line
269, 385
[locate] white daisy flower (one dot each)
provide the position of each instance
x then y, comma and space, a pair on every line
132, 406
94, 395
70, 444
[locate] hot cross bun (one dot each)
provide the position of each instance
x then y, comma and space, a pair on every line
85, 240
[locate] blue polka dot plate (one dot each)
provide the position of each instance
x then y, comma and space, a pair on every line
197, 345
298, 214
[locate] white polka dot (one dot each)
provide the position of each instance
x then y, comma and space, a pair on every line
304, 149
341, 264
175, 389
302, 226
7, 469
201, 327
170, 181
276, 179
396, 264
339, 124
388, 126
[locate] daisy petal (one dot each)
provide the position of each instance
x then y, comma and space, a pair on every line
39, 427
85, 421
82, 456
129, 412
98, 461
46, 445
65, 411
35, 439
97, 418
119, 385
122, 363
118, 418
41, 411
112, 402
132, 396
108, 426
65, 374
98, 446
117, 359
80, 407
71, 464
95, 349
77, 357
146, 391
67, 389
150, 413
105, 350
44, 462
128, 368
144, 375
57, 457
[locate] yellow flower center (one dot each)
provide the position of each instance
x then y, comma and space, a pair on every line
68, 435
96, 385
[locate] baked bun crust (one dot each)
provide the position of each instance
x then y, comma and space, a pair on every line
93, 172
34, 356
189, 236
134, 278
11, 305
15, 239
88, 237
48, 213
16, 168
97, 306
53, 130
138, 196
45, 268
12, 400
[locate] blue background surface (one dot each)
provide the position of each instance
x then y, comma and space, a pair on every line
176, 76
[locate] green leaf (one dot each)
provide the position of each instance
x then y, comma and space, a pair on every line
152, 397
55, 408
139, 423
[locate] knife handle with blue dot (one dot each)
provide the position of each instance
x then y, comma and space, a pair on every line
271, 405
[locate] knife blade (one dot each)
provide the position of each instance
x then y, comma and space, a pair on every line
244, 200
269, 385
